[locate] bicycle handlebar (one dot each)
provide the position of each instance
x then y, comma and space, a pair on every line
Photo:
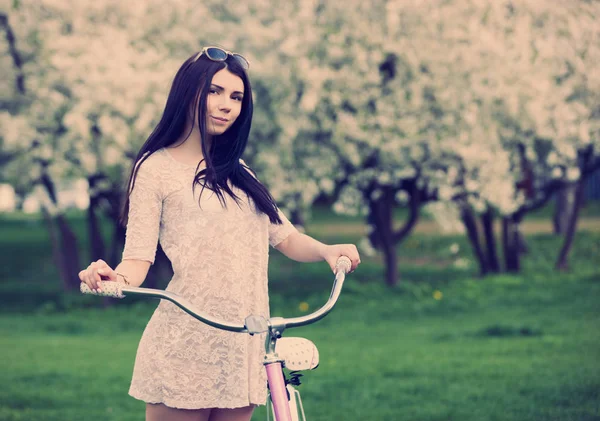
252, 325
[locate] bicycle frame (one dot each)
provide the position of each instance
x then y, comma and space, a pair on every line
273, 327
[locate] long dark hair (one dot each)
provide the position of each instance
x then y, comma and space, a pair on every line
190, 87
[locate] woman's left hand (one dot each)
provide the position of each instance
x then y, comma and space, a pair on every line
332, 253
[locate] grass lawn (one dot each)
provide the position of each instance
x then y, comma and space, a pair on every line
443, 345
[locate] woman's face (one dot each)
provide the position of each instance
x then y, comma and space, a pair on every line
224, 101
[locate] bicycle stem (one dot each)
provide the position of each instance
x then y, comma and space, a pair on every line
278, 324
336, 290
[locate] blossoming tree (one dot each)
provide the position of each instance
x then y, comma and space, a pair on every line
454, 101
489, 108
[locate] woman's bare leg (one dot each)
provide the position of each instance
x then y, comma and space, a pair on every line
235, 414
160, 412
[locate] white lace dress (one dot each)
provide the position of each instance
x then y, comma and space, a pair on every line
219, 258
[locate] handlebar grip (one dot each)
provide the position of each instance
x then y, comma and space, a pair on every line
109, 289
344, 264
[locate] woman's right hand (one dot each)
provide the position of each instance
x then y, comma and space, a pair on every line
97, 271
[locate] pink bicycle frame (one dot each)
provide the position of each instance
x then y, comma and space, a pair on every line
278, 391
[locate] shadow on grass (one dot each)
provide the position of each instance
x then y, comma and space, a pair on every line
504, 331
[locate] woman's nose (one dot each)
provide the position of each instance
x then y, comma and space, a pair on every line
225, 105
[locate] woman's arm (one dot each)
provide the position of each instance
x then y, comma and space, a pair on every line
130, 271
143, 222
134, 270
303, 248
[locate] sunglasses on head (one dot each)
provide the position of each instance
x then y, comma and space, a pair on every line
219, 54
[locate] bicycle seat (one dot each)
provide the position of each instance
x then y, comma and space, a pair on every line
298, 353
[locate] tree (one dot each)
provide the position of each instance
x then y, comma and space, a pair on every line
481, 106
104, 81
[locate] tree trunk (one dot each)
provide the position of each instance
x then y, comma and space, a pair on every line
510, 245
113, 198
521, 242
564, 205
97, 246
387, 243
562, 263
383, 237
55, 244
117, 244
297, 218
392, 275
69, 254
14, 52
64, 250
487, 220
382, 216
373, 233
468, 219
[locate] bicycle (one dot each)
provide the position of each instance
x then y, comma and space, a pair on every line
299, 354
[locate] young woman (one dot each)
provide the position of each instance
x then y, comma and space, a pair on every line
191, 191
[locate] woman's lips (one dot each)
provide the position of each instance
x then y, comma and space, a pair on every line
219, 120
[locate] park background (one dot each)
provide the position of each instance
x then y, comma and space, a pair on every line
456, 142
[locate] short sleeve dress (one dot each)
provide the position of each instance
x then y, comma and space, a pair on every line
219, 257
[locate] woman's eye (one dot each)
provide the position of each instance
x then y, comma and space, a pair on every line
213, 91
238, 98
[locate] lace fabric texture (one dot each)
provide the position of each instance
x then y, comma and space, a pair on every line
219, 257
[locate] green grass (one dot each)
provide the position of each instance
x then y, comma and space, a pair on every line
507, 348
520, 347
